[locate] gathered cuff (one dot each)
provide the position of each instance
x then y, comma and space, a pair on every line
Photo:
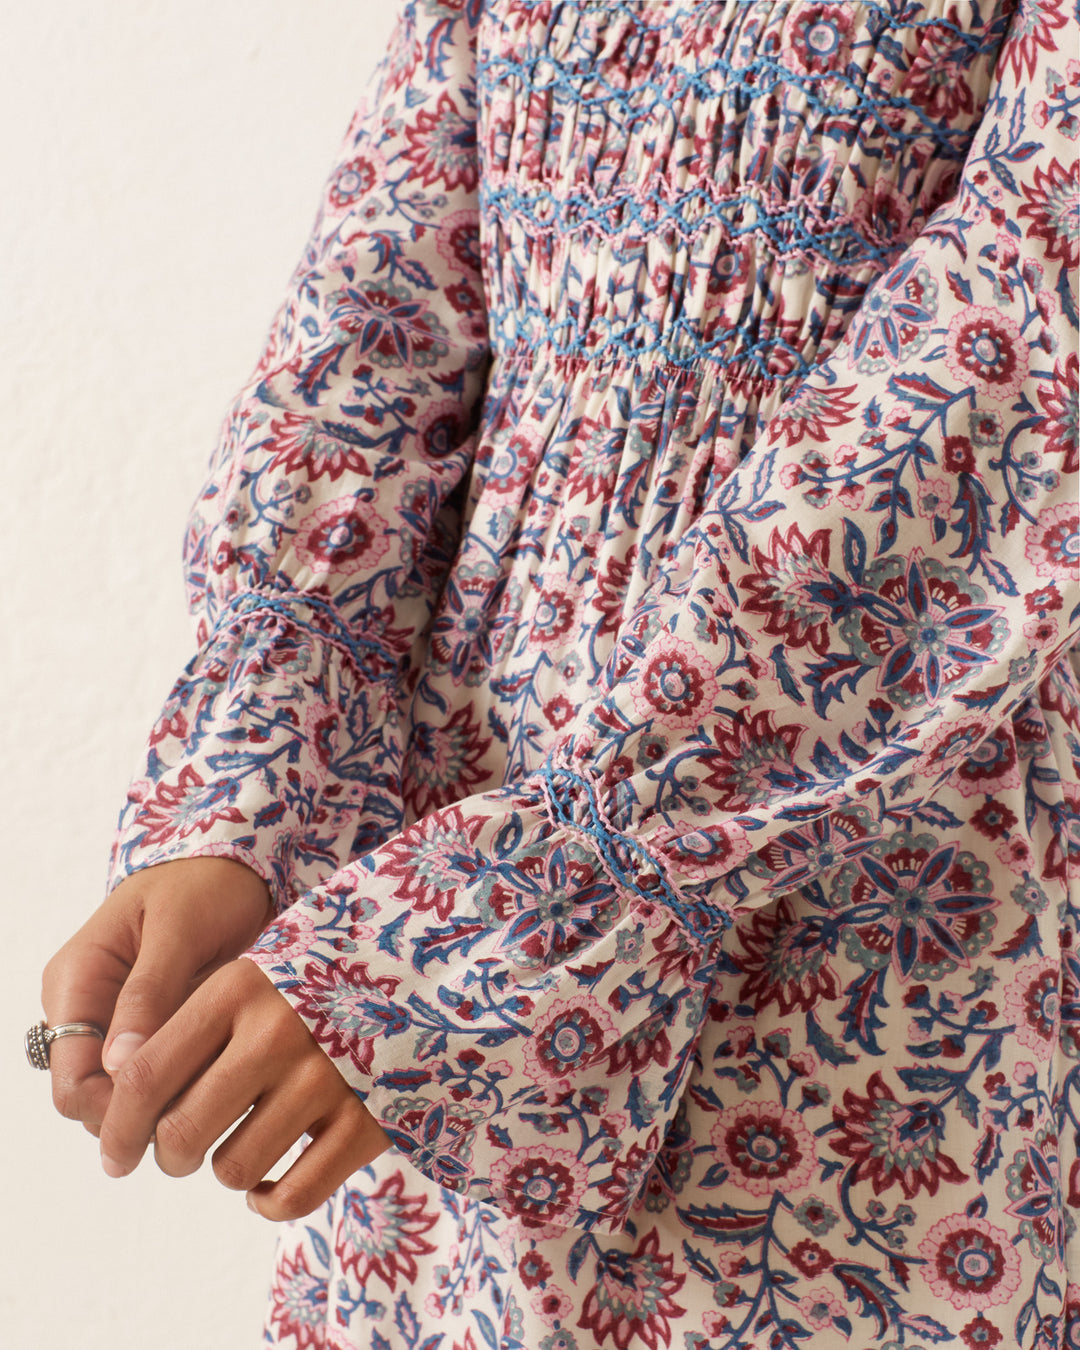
267, 747
521, 1026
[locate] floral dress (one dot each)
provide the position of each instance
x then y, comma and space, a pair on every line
638, 598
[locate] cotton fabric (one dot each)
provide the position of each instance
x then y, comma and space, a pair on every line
638, 601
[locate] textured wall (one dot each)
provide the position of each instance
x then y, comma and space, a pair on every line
160, 165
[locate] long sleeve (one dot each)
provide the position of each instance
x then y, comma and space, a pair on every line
319, 544
516, 984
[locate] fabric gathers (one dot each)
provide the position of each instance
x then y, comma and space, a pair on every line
639, 602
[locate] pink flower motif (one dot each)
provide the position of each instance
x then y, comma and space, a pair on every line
765, 1148
969, 1262
984, 348
556, 615
551, 1304
1052, 544
290, 937
1041, 633
1033, 1002
1016, 855
674, 683
821, 1308
568, 1037
458, 241
539, 1183
935, 499
342, 536
1022, 1071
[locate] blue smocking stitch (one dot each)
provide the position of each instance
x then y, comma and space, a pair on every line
358, 650
608, 843
753, 355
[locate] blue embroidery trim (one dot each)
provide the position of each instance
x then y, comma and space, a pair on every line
359, 651
613, 847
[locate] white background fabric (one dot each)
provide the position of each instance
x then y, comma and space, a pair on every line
160, 166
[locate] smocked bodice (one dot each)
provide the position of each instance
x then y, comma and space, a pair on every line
713, 182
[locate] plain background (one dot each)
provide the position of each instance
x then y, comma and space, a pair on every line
160, 164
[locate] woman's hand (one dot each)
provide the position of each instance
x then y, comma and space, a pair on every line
159, 934
237, 1043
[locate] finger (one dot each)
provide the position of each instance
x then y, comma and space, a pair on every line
81, 984
277, 1121
159, 1072
349, 1140
162, 977
219, 1098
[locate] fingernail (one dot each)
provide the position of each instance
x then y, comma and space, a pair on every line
112, 1167
251, 1203
122, 1048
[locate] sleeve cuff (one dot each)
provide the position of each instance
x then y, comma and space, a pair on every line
520, 1025
277, 747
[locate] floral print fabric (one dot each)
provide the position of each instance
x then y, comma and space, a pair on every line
638, 597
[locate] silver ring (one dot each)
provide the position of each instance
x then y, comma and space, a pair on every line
40, 1037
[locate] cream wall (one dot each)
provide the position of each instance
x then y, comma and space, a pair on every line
160, 163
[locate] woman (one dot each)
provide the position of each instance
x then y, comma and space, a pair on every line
636, 593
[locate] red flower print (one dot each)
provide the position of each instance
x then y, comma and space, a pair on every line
631, 1298
675, 683
765, 1147
380, 1232
958, 455
1059, 402
993, 819
752, 760
347, 1008
567, 1038
435, 859
818, 39
1033, 27
298, 1301
188, 805
556, 614
301, 444
1052, 544
892, 1142
1053, 206
442, 146
992, 767
342, 536
979, 1334
442, 429
787, 584
1033, 1004
446, 762
539, 1183
810, 1257
984, 348
809, 412
784, 960
612, 582
969, 1262
354, 178
534, 1269
559, 711
937, 80
458, 242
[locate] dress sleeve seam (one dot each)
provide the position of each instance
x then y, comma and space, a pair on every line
582, 812
373, 659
